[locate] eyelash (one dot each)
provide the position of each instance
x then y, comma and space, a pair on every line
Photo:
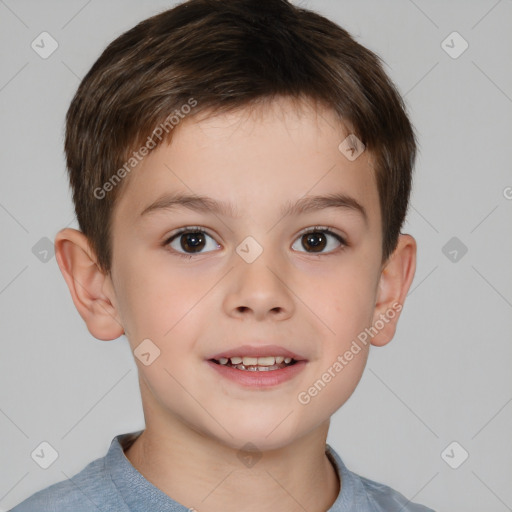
199, 229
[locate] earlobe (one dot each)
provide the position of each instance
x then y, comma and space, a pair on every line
395, 281
85, 280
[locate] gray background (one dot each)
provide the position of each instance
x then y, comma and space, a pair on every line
446, 375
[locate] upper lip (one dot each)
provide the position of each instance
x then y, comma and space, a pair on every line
258, 351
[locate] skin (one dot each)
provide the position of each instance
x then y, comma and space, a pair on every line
314, 304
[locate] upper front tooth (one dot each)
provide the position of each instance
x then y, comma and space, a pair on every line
249, 361
236, 360
267, 361
279, 359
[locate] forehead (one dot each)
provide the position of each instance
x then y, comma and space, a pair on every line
256, 159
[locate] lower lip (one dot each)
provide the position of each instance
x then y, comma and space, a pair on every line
259, 379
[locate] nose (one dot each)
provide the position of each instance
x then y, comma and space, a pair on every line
260, 290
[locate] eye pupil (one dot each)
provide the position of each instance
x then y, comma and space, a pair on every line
316, 240
192, 241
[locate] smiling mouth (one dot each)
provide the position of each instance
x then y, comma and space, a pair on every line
262, 365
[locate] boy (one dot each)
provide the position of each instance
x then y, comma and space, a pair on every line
240, 173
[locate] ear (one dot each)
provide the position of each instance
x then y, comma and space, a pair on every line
91, 290
395, 279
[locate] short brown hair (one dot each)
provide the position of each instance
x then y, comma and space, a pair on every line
226, 55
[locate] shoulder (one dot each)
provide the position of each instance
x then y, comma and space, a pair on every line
89, 490
362, 494
385, 498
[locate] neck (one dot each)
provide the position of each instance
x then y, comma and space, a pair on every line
203, 474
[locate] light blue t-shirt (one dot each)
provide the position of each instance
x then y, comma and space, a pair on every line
112, 484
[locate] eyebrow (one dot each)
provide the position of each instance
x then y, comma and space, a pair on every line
209, 205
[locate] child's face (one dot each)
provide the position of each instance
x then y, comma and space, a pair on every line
313, 304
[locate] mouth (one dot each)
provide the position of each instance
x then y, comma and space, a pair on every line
256, 364
257, 358
258, 367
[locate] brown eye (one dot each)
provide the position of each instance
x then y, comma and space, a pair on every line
318, 240
191, 241
315, 241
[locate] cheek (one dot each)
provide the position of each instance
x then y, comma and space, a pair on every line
345, 300
162, 309
153, 298
334, 379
